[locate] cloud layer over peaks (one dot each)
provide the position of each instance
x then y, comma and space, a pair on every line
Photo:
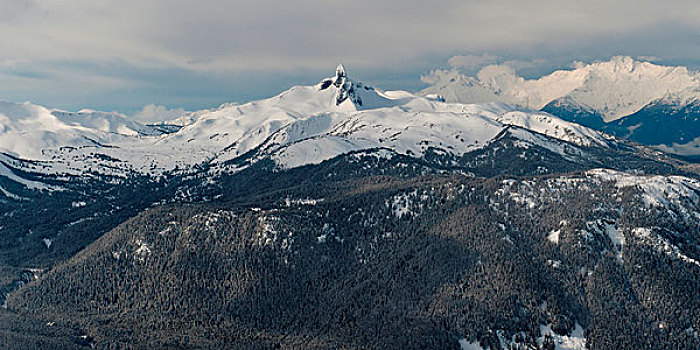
130, 53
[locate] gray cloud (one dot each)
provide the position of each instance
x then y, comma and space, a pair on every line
13, 10
95, 46
263, 34
472, 62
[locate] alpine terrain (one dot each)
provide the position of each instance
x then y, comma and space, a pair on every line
641, 101
343, 216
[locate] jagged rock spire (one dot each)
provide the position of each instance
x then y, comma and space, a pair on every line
340, 76
346, 87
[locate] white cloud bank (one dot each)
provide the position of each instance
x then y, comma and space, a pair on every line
153, 114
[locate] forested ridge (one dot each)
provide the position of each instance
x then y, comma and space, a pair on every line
384, 262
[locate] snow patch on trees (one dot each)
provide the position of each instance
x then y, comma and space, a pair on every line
575, 341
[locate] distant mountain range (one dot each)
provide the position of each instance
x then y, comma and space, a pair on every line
641, 101
339, 215
303, 125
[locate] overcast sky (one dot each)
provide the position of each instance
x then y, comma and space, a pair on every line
123, 55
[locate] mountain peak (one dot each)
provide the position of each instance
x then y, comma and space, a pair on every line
346, 87
614, 88
341, 77
340, 72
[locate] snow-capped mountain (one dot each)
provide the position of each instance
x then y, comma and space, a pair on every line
340, 116
303, 125
28, 130
648, 103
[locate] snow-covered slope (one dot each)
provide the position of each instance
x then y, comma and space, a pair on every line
307, 125
670, 192
615, 88
28, 130
652, 104
303, 125
410, 129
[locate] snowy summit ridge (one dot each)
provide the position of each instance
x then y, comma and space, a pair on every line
300, 126
651, 104
615, 88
